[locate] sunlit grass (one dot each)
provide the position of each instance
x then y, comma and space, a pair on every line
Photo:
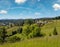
53, 41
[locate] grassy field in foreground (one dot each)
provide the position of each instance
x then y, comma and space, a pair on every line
53, 41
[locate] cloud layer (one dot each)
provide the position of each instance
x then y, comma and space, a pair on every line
37, 13
3, 12
20, 1
56, 7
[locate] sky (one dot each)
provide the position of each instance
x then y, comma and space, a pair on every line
24, 9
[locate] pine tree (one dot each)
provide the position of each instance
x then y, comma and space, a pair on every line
55, 31
3, 34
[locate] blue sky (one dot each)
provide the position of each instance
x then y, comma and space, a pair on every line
22, 9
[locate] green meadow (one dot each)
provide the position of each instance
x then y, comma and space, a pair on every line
53, 41
46, 41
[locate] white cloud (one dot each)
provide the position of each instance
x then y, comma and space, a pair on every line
3, 12
37, 13
20, 1
56, 7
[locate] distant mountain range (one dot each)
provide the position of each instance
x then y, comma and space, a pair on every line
6, 21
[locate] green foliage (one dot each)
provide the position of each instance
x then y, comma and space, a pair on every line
55, 32
33, 26
3, 34
20, 30
50, 34
32, 31
28, 21
26, 30
35, 31
14, 32
13, 39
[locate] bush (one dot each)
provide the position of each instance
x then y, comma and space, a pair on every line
14, 32
26, 30
35, 31
1, 40
31, 31
14, 39
50, 34
20, 30
30, 35
3, 35
55, 32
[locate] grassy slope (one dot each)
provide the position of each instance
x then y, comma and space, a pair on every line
48, 28
48, 41
53, 41
12, 29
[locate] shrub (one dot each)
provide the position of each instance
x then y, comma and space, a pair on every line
55, 32
19, 30
30, 35
1, 40
32, 31
35, 31
50, 34
14, 32
14, 39
26, 30
3, 35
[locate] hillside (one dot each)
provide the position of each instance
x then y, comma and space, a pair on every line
53, 41
47, 41
48, 28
